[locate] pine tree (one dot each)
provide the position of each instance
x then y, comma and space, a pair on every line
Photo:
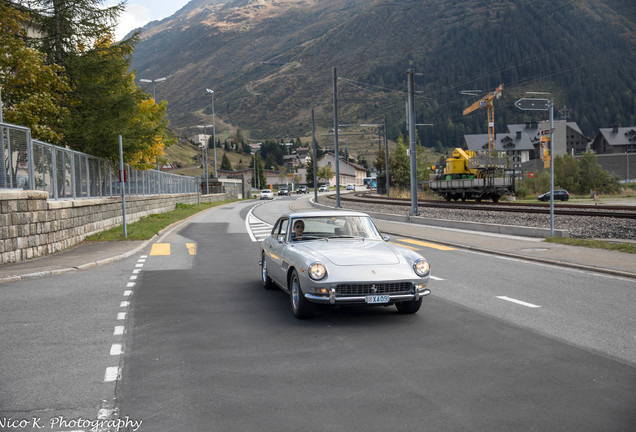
69, 26
225, 163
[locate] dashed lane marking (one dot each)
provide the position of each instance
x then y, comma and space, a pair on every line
510, 299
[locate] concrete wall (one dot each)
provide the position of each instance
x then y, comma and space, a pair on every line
32, 226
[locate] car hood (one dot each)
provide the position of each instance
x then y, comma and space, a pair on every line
352, 252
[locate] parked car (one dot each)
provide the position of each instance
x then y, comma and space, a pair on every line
323, 188
339, 258
562, 195
351, 187
267, 194
283, 191
302, 189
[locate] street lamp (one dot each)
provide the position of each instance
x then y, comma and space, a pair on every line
153, 84
205, 144
213, 129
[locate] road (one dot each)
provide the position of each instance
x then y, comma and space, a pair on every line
499, 345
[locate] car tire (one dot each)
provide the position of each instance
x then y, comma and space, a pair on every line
268, 283
301, 307
408, 307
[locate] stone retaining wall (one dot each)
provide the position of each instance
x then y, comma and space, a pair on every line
31, 226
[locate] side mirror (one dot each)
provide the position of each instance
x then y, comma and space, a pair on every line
281, 239
386, 238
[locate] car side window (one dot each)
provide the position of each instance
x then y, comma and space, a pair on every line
280, 228
275, 229
283, 227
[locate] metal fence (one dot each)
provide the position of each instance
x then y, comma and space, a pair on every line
64, 173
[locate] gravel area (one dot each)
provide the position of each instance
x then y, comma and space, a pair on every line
578, 227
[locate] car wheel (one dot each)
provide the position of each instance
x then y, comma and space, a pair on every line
268, 283
409, 307
301, 307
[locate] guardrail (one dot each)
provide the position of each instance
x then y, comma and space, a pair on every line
36, 165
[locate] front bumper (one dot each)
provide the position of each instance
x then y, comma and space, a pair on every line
333, 298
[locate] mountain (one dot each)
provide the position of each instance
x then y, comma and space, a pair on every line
270, 61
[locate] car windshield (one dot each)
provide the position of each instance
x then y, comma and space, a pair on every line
333, 227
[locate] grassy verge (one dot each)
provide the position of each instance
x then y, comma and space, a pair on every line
148, 226
599, 244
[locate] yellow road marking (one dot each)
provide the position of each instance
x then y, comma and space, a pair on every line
408, 247
192, 248
160, 249
427, 244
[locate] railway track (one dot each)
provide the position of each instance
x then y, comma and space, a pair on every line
623, 212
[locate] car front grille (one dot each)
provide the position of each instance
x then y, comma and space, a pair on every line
378, 288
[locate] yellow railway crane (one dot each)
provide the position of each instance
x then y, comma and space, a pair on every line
487, 101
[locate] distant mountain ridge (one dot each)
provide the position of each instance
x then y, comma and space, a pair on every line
270, 62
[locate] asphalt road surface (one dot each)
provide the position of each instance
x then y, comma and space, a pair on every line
199, 345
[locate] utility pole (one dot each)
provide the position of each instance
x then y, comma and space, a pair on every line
411, 124
386, 160
313, 143
335, 135
551, 109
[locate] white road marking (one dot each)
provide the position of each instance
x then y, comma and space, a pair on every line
124, 304
530, 305
119, 330
116, 350
121, 316
127, 293
133, 277
130, 284
112, 374
256, 228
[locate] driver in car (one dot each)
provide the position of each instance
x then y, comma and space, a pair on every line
299, 228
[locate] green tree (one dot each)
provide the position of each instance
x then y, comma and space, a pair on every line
225, 163
309, 177
105, 103
33, 93
594, 177
69, 26
567, 172
325, 172
258, 175
400, 165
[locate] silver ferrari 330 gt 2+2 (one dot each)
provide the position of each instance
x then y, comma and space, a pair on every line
339, 257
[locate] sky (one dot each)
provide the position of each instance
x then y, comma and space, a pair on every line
140, 12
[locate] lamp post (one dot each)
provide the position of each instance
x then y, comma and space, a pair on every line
154, 81
211, 92
206, 145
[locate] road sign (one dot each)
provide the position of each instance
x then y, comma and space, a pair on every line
530, 104
167, 165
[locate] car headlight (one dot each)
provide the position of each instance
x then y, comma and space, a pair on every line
421, 267
317, 271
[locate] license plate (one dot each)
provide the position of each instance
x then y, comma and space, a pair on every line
378, 299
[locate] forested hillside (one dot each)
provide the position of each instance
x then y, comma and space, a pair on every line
271, 62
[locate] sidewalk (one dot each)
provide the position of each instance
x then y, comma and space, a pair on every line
83, 256
90, 254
